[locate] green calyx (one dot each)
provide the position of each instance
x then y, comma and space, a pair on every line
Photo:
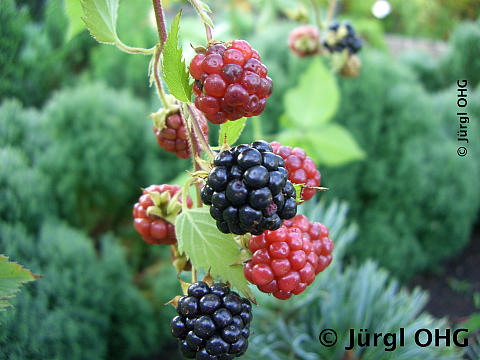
160, 117
164, 205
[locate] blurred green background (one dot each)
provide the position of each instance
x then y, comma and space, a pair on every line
76, 146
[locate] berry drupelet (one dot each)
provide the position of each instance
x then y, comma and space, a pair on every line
340, 37
213, 322
154, 229
286, 261
230, 82
249, 191
301, 168
173, 137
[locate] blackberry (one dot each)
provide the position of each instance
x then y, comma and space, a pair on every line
248, 190
340, 37
213, 322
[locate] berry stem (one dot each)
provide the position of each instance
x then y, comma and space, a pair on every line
160, 18
199, 133
134, 50
208, 31
201, 13
330, 12
194, 275
318, 19
162, 37
193, 151
156, 75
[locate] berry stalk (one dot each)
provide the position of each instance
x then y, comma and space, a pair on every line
162, 37
203, 16
330, 12
198, 131
159, 17
156, 75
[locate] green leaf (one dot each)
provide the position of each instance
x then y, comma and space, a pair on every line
232, 130
203, 9
175, 72
315, 100
330, 144
209, 249
101, 19
12, 276
74, 12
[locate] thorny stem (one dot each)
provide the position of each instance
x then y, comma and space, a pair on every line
193, 152
198, 131
162, 37
159, 17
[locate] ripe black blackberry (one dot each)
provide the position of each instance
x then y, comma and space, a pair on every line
213, 322
249, 191
342, 36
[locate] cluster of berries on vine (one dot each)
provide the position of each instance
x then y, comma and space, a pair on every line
250, 189
230, 81
342, 36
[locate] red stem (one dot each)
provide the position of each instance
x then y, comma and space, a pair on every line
162, 31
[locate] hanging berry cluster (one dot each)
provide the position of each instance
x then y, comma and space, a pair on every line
244, 228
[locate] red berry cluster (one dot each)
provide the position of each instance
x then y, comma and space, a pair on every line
303, 41
301, 168
155, 230
286, 261
173, 136
230, 82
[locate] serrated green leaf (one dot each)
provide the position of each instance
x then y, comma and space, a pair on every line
74, 12
329, 144
316, 95
232, 130
175, 71
209, 249
12, 276
101, 19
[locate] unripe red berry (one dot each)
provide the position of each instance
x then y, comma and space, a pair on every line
154, 229
231, 75
173, 137
301, 168
286, 261
303, 41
